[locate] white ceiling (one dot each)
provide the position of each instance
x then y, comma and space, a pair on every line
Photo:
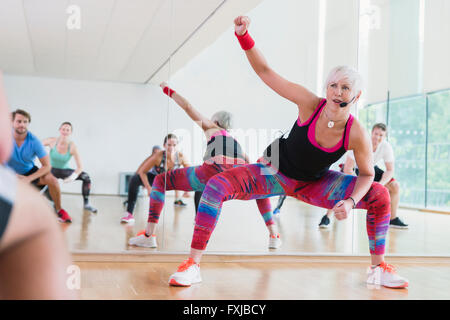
119, 40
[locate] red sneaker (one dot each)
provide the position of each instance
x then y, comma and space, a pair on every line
63, 216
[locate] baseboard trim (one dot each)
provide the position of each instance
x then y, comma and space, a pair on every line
211, 257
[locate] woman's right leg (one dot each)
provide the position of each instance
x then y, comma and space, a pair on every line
86, 190
246, 182
184, 179
197, 197
133, 189
279, 204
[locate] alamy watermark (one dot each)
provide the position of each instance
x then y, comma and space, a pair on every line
74, 19
73, 281
374, 278
253, 142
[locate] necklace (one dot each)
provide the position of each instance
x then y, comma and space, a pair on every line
330, 122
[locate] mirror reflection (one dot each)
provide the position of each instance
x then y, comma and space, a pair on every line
155, 119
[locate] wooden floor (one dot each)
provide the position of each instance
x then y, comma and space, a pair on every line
319, 279
241, 230
312, 263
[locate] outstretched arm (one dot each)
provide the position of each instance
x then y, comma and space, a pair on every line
145, 166
48, 142
388, 174
205, 123
296, 93
43, 170
361, 145
184, 161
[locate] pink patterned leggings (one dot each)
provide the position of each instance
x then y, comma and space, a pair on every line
253, 181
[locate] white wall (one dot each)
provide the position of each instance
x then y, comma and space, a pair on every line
115, 125
437, 45
405, 62
374, 48
341, 34
220, 77
287, 33
400, 55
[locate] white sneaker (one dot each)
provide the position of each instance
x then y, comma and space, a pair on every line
385, 275
188, 273
274, 241
141, 240
127, 218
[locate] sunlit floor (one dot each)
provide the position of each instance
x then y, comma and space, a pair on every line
241, 229
259, 281
240, 232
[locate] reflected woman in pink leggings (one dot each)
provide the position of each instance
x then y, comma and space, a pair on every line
223, 153
298, 166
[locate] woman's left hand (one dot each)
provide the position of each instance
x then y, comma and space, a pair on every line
342, 209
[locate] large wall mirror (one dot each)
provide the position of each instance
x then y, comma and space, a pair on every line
99, 65
220, 78
401, 56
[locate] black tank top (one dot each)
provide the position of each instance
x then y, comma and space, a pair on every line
223, 145
300, 156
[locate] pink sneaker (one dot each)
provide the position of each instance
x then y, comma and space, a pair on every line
127, 218
63, 216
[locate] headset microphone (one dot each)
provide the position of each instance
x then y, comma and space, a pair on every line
344, 104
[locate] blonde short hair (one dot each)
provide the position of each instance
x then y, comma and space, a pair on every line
345, 72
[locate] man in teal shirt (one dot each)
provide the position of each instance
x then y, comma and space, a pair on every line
26, 147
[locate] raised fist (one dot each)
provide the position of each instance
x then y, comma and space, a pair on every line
163, 84
241, 24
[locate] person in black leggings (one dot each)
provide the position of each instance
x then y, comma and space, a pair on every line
133, 187
149, 169
33, 254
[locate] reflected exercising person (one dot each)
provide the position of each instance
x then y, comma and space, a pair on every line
62, 149
382, 154
223, 152
27, 147
33, 256
159, 161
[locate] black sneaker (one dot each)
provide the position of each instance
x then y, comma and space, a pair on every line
180, 203
397, 223
324, 223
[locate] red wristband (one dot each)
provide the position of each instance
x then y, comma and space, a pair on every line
168, 91
245, 40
